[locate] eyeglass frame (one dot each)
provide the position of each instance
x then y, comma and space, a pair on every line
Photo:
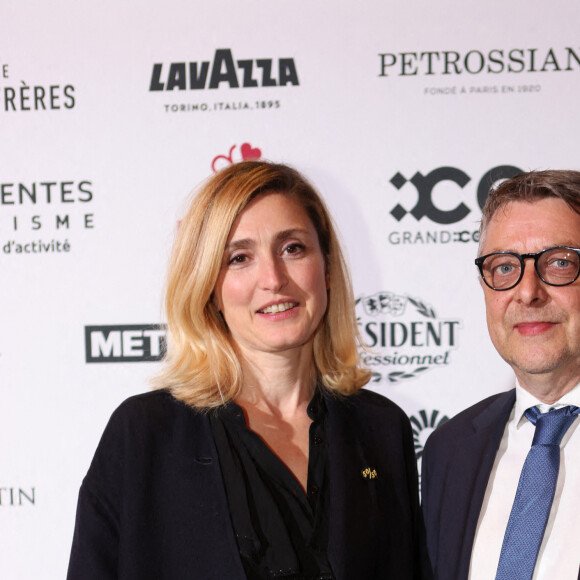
521, 258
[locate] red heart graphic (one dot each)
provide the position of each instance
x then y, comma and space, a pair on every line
250, 153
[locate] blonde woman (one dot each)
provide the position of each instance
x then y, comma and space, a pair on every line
259, 456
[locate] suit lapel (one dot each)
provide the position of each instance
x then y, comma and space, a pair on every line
468, 476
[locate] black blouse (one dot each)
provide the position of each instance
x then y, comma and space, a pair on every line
281, 531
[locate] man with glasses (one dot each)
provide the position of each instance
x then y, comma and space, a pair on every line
501, 480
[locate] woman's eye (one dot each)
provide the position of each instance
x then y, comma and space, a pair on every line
293, 248
237, 259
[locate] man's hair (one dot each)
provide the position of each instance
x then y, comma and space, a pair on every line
201, 366
533, 186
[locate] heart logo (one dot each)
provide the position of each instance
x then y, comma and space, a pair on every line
249, 152
246, 150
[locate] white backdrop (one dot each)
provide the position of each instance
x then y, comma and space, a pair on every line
395, 110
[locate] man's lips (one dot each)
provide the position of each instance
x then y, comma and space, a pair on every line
534, 328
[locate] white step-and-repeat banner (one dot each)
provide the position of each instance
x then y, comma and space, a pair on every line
111, 112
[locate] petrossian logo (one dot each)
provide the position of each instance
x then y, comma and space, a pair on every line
223, 71
474, 62
125, 343
404, 335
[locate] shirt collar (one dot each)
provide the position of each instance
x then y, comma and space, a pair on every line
233, 413
525, 400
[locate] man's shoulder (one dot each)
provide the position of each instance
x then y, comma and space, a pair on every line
462, 424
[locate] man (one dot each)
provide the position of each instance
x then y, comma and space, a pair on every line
529, 262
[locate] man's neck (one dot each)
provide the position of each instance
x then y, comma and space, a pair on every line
546, 387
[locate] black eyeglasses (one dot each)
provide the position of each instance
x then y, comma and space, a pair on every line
555, 266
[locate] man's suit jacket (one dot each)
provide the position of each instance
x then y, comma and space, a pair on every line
153, 504
457, 462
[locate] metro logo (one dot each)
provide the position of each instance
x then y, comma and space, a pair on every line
125, 343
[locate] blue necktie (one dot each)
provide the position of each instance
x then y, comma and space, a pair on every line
535, 493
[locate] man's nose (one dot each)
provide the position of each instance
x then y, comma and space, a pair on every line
531, 288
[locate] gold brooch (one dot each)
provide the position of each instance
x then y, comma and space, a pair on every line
369, 473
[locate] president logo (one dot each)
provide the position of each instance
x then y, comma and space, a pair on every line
125, 343
23, 96
38, 217
404, 335
223, 73
419, 199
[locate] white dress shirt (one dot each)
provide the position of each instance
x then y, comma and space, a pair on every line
559, 556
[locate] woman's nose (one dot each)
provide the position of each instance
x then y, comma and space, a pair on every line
273, 276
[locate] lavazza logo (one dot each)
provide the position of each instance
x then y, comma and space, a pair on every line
459, 70
125, 343
419, 198
243, 84
404, 336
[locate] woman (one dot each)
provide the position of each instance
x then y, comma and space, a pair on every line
259, 457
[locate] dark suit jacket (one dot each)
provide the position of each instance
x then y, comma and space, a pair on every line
457, 462
153, 504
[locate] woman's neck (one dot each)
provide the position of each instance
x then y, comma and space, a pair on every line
282, 381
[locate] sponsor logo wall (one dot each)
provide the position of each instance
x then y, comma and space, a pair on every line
106, 129
404, 337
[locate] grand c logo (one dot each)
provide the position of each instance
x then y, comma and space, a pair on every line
404, 337
424, 186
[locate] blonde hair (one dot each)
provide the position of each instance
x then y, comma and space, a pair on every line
201, 367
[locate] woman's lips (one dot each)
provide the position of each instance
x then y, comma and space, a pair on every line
277, 308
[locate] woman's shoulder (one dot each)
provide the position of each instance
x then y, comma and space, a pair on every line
151, 423
150, 403
154, 409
